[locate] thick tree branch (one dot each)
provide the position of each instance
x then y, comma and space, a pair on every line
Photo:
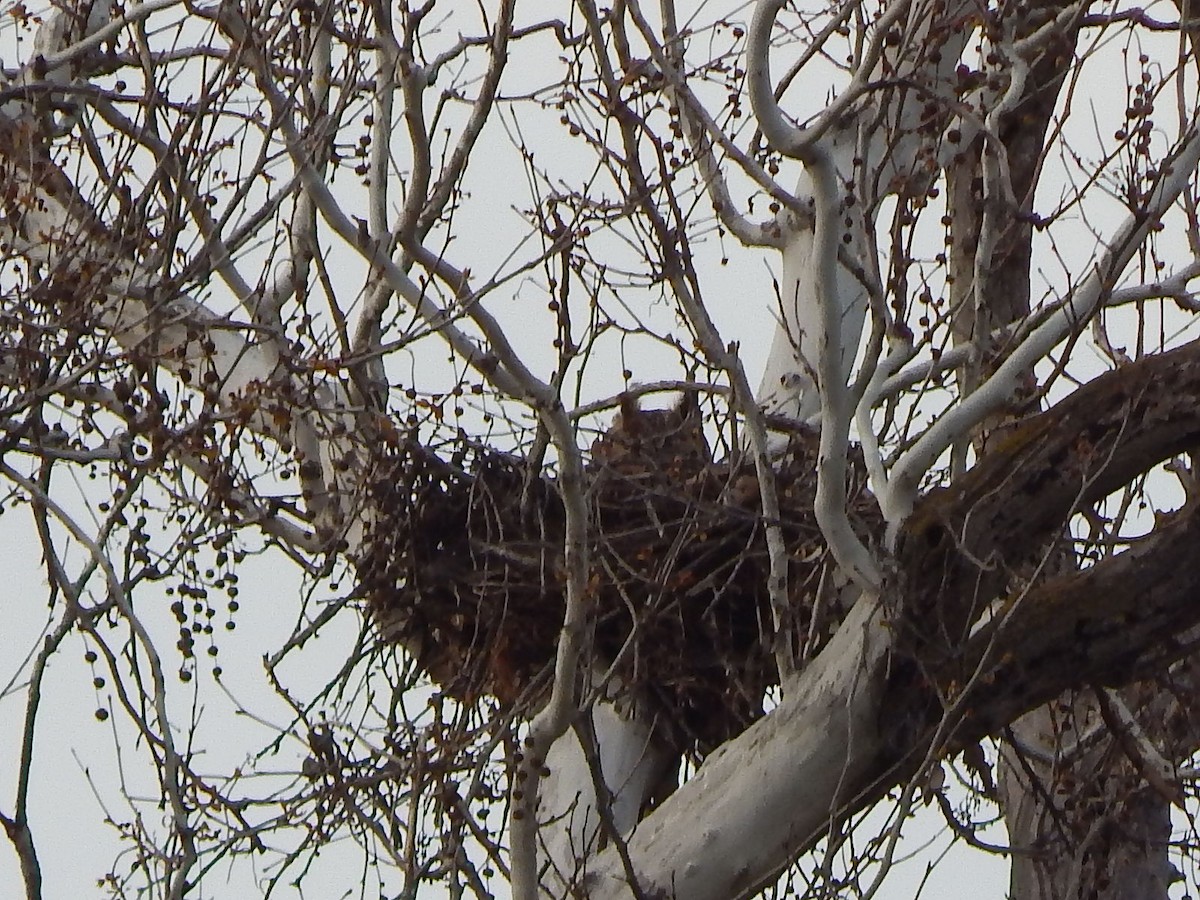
872, 721
1111, 624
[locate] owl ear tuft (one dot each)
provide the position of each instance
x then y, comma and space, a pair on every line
629, 416
688, 406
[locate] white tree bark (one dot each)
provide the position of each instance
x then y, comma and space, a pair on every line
775, 786
625, 762
789, 382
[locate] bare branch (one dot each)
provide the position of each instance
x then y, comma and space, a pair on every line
1075, 313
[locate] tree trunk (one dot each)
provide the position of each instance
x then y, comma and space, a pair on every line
1082, 819
1082, 824
612, 753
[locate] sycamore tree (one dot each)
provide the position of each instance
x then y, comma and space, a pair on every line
385, 460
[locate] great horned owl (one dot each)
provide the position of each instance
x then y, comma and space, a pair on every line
654, 442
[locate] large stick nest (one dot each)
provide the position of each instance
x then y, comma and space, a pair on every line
465, 569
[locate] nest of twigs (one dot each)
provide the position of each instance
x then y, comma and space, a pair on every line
466, 570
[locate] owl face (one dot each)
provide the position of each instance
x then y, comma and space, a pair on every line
663, 439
